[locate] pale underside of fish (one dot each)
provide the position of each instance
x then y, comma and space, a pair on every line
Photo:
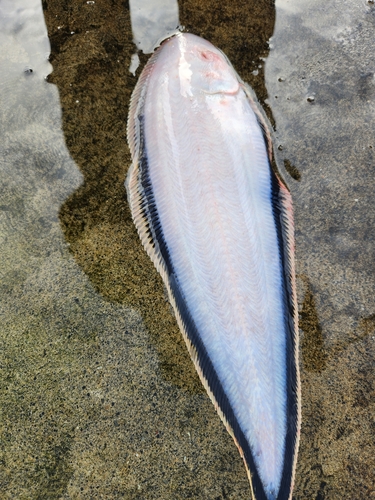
217, 223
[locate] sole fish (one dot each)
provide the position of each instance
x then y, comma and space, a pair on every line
217, 223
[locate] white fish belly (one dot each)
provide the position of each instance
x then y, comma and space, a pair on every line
200, 165
210, 177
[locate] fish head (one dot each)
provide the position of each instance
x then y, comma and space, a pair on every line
203, 68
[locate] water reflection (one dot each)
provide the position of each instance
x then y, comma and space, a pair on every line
96, 220
37, 172
24, 44
76, 372
152, 20
319, 70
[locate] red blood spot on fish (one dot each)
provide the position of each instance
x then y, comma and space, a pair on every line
207, 55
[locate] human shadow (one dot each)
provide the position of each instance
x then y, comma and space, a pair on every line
91, 46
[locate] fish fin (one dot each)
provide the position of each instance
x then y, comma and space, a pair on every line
283, 213
137, 183
136, 104
261, 117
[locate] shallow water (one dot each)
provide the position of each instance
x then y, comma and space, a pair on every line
99, 396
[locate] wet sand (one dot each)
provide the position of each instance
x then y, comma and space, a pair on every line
99, 397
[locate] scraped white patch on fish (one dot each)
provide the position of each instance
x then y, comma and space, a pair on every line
217, 223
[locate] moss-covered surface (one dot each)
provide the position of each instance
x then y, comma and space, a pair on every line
99, 398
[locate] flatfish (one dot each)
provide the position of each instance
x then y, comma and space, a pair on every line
217, 223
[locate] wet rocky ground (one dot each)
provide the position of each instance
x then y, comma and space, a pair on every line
99, 398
